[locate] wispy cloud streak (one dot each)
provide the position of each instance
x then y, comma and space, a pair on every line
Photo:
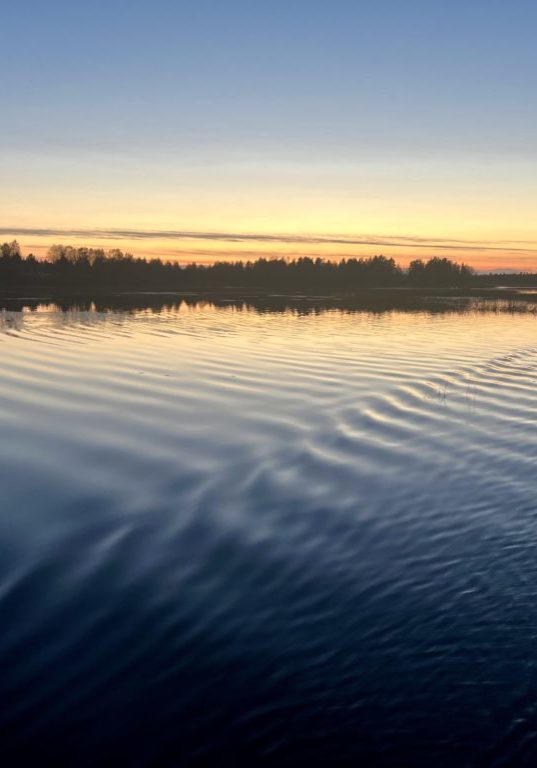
403, 241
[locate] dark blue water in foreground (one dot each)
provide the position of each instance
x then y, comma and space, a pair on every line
241, 538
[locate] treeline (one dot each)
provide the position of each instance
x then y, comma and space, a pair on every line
86, 269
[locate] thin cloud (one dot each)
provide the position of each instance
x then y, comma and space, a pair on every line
402, 241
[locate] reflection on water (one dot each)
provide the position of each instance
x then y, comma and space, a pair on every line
515, 301
231, 535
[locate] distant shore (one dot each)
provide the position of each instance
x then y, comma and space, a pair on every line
82, 276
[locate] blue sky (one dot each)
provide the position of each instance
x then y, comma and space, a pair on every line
204, 114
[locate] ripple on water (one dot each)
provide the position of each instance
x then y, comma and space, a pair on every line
233, 538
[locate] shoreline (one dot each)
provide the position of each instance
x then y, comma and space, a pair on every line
34, 293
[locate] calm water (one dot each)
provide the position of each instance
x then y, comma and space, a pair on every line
231, 537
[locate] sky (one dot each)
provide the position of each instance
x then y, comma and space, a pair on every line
220, 129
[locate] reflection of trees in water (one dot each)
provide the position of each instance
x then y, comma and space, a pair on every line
11, 320
96, 310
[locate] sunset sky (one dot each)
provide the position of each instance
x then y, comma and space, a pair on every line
207, 129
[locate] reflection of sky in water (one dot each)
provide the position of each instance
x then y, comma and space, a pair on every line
303, 535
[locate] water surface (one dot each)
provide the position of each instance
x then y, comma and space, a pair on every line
240, 536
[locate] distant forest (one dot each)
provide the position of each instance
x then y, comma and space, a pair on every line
88, 269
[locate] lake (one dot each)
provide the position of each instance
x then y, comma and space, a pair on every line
238, 534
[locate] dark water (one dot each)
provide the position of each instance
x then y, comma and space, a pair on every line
239, 537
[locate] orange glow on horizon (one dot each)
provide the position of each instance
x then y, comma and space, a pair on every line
497, 256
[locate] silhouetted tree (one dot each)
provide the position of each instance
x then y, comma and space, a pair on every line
70, 268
